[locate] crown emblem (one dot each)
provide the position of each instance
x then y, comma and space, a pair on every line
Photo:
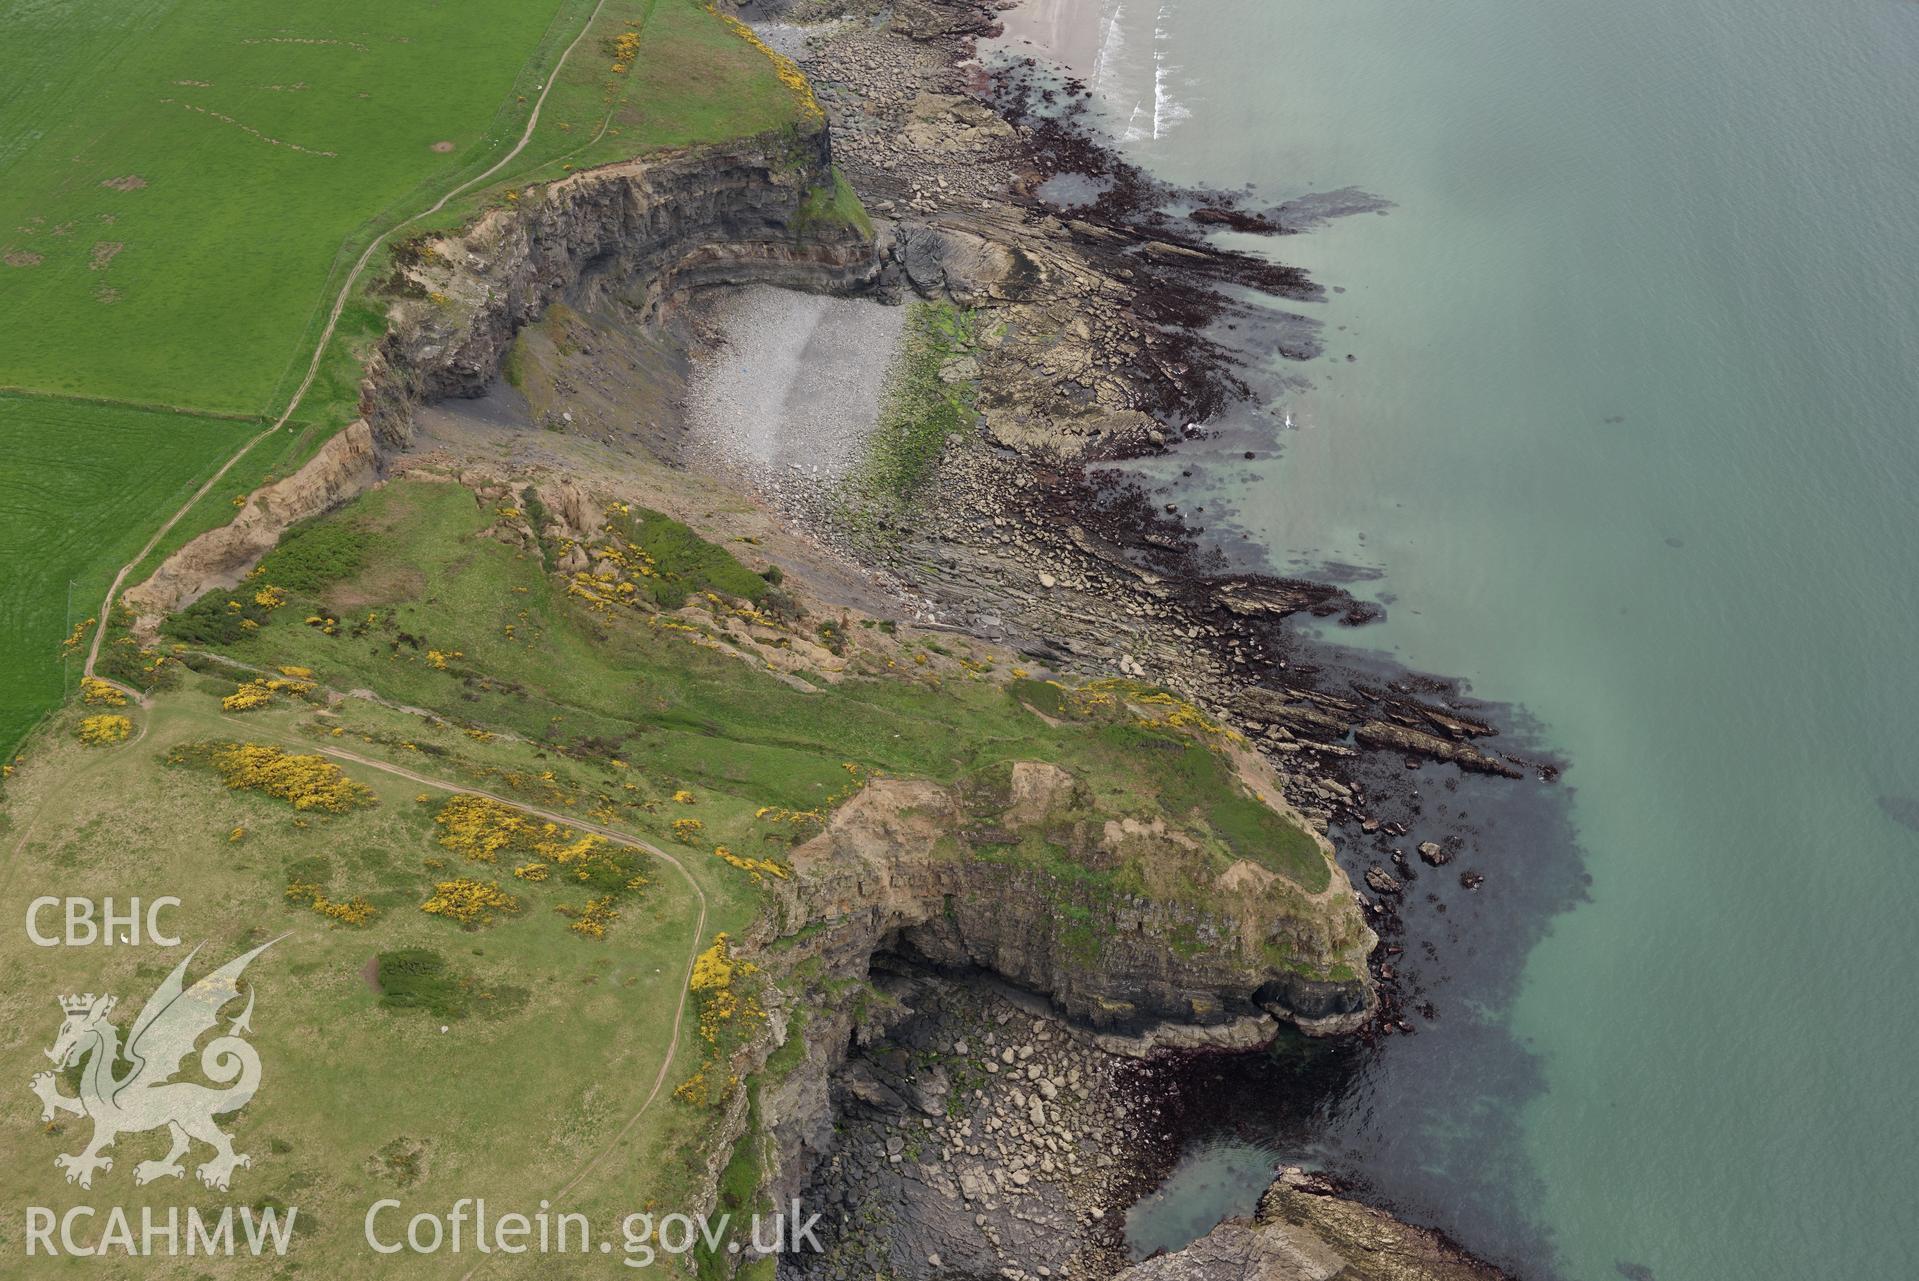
77, 1004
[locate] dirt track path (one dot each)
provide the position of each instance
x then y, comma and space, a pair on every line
326, 337
567, 820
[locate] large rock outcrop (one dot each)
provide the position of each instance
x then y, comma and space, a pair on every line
914, 867
637, 232
1303, 1232
1016, 872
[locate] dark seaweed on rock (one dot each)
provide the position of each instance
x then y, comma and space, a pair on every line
1136, 225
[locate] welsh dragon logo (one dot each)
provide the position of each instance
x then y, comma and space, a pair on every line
146, 1096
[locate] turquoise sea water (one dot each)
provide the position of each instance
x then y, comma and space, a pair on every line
1632, 441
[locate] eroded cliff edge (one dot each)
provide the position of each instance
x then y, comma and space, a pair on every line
629, 235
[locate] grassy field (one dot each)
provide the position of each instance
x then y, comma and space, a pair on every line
178, 181
184, 189
79, 484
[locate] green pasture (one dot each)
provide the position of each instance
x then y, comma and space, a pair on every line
180, 182
81, 486
551, 1042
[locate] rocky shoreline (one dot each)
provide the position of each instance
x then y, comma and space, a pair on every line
1094, 353
1095, 356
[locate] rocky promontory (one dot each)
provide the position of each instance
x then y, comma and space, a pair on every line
1305, 1231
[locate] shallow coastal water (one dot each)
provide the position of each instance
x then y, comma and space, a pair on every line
1217, 1175
1628, 438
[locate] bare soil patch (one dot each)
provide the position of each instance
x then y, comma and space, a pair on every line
377, 586
126, 182
443, 146
104, 252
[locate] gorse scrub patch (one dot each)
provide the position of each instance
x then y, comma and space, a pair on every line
680, 560
470, 902
484, 830
221, 618
305, 780
314, 556
722, 984
106, 728
99, 693
788, 71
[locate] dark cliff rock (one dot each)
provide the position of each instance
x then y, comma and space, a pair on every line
636, 233
898, 871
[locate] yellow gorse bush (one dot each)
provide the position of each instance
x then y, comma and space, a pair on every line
591, 921
469, 902
306, 780
100, 693
74, 637
98, 731
355, 911
482, 828
725, 1004
626, 47
759, 867
788, 71
248, 697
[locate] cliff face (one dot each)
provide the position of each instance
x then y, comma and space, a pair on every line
347, 465
637, 232
901, 869
895, 871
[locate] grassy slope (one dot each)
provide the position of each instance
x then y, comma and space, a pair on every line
79, 483
532, 662
600, 715
513, 1100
